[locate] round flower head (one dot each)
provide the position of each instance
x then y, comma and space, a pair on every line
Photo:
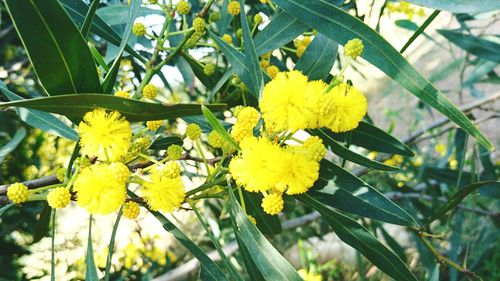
227, 38
214, 17
120, 172
272, 203
239, 33
171, 170
313, 93
193, 131
150, 91
183, 7
122, 94
353, 48
131, 210
215, 139
139, 29
209, 69
199, 25
272, 71
163, 193
299, 175
283, 103
257, 167
98, 191
174, 152
314, 148
233, 8
154, 125
342, 108
18, 193
58, 197
257, 19
105, 135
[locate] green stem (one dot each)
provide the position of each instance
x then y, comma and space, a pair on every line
111, 245
242, 200
198, 147
462, 162
43, 188
53, 254
205, 186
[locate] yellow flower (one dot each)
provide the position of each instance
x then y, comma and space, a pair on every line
193, 131
131, 210
257, 167
58, 197
299, 175
283, 103
342, 108
122, 94
353, 48
174, 152
183, 7
18, 193
248, 117
172, 170
150, 91
309, 276
105, 135
163, 193
199, 25
300, 50
154, 125
209, 69
98, 191
252, 219
272, 71
215, 139
257, 19
233, 8
441, 148
227, 38
139, 29
314, 148
453, 163
272, 203
120, 171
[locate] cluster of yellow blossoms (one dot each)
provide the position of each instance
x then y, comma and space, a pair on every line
406, 8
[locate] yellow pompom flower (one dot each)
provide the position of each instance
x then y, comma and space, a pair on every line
174, 152
264, 64
150, 91
98, 191
258, 166
353, 48
299, 175
209, 69
163, 193
272, 71
233, 8
272, 203
131, 210
248, 117
199, 25
314, 148
342, 108
58, 197
171, 170
257, 19
154, 125
105, 135
227, 38
183, 7
120, 172
215, 139
283, 103
18, 193
193, 131
139, 29
300, 50
122, 94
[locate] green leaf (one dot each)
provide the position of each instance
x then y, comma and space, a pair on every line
238, 62
89, 17
435, 274
214, 122
213, 272
271, 264
77, 10
58, 52
459, 6
458, 197
359, 238
110, 78
266, 223
42, 224
91, 270
252, 60
318, 59
203, 123
420, 30
5, 208
253, 271
12, 144
373, 138
75, 106
342, 190
118, 14
340, 26
282, 29
207, 81
41, 120
477, 46
163, 143
350, 155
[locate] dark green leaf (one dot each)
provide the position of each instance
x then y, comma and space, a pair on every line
475, 45
215, 123
350, 155
58, 52
5, 208
12, 144
43, 223
75, 106
435, 274
419, 31
91, 270
393, 244
253, 271
458, 197
89, 17
359, 238
318, 59
282, 29
118, 14
459, 6
271, 264
207, 81
163, 143
372, 138
203, 123
266, 223
340, 26
342, 190
41, 120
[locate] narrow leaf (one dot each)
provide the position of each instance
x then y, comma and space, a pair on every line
420, 30
12, 144
214, 122
91, 270
59, 54
477, 46
42, 224
165, 142
89, 18
318, 59
459, 6
340, 26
